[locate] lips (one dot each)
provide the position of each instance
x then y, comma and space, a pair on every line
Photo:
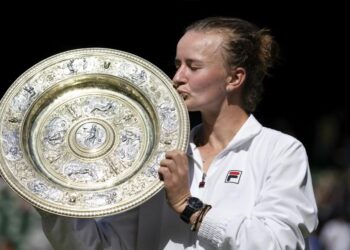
183, 94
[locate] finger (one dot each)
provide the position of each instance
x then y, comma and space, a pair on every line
178, 156
164, 172
167, 179
172, 154
170, 164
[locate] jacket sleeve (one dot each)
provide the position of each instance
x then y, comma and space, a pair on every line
116, 232
284, 213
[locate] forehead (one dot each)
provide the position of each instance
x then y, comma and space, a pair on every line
200, 43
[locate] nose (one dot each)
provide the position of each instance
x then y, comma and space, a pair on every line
179, 77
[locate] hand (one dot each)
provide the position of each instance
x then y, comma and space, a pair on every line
174, 172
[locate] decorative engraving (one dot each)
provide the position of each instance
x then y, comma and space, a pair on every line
83, 132
106, 65
75, 65
168, 117
96, 200
39, 188
53, 155
80, 172
11, 146
130, 144
90, 135
102, 108
31, 91
55, 131
133, 73
23, 171
23, 99
14, 120
72, 109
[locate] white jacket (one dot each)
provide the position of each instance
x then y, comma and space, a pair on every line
261, 194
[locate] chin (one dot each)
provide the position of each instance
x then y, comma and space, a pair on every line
191, 109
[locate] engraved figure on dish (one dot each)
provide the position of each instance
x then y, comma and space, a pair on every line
99, 199
55, 131
102, 108
39, 188
91, 135
94, 106
75, 65
14, 120
168, 117
11, 146
125, 117
130, 145
52, 155
23, 100
78, 171
72, 109
30, 91
133, 73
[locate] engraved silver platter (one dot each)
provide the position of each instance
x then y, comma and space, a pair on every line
83, 132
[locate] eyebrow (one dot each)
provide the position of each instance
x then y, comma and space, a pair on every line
188, 61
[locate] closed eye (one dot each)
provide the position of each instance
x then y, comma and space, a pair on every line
191, 64
193, 68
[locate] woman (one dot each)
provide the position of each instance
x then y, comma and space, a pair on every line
240, 185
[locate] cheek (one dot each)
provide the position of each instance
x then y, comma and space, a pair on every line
199, 85
212, 82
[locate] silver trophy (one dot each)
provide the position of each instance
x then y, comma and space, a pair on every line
83, 132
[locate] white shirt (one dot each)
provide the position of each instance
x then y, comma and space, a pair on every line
261, 194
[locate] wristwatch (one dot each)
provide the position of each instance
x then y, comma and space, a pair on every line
193, 205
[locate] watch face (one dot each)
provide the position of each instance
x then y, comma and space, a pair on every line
195, 203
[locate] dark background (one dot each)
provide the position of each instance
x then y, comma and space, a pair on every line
308, 87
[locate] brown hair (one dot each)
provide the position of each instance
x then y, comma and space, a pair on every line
245, 46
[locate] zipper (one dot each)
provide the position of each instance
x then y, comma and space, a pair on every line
202, 182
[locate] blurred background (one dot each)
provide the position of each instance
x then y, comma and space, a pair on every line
306, 95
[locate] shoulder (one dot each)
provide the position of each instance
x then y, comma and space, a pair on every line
278, 136
277, 142
280, 154
265, 136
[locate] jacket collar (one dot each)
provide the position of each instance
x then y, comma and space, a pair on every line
248, 131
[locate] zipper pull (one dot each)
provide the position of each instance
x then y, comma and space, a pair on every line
202, 183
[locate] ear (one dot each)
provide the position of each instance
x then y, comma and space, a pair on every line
235, 79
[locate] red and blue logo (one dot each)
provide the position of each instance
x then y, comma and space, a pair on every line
233, 176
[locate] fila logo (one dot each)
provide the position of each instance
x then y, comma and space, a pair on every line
233, 176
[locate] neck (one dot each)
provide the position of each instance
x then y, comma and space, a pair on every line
218, 130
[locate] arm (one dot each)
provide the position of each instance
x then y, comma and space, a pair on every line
115, 232
284, 212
